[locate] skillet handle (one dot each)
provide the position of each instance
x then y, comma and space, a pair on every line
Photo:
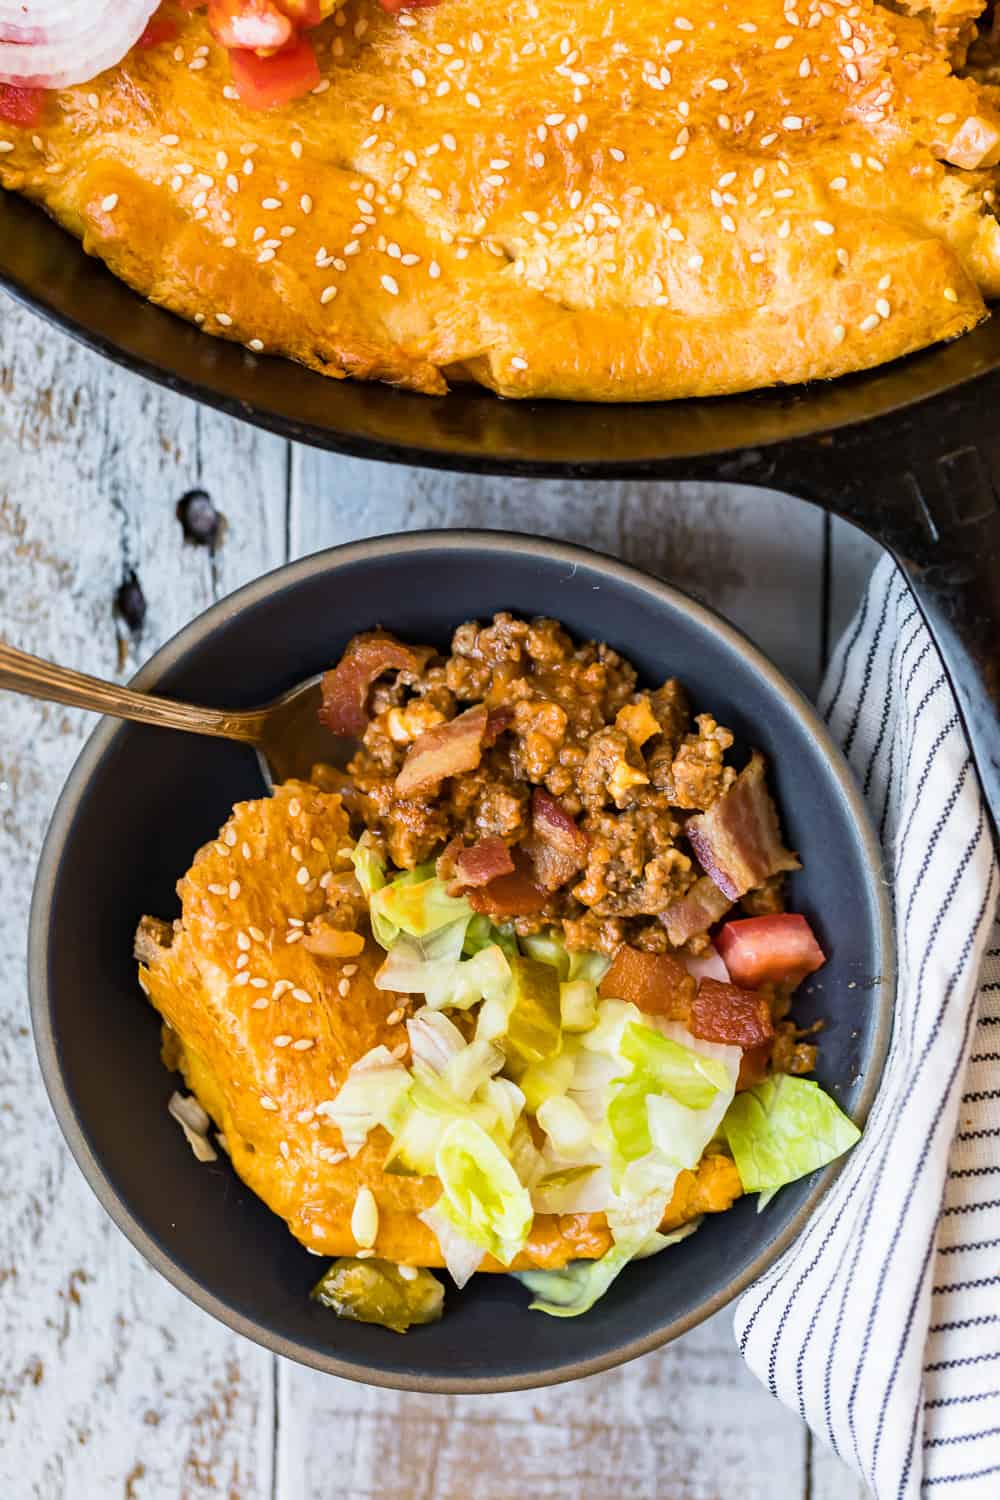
924, 482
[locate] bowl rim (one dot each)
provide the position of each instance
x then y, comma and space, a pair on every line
101, 739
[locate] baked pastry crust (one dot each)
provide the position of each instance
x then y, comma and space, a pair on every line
658, 198
264, 1031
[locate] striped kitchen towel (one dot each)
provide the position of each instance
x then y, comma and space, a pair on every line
881, 1325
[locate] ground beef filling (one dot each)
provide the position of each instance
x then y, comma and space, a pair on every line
628, 767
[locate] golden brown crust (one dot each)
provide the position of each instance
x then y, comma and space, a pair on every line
660, 200
265, 1031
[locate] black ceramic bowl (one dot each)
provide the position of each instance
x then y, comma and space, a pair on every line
140, 801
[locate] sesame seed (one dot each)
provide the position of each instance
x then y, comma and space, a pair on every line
304, 1116
296, 150
294, 936
792, 122
327, 295
418, 78
728, 223
434, 270
883, 308
344, 989
950, 294
261, 1004
822, 226
867, 324
242, 978
391, 285
350, 970
784, 229
719, 84
110, 203
519, 363
839, 333
400, 1050
258, 984
302, 997
394, 1017
946, 119
281, 987
229, 837
266, 1102
782, 42
303, 1044
302, 875
242, 942
885, 282
224, 319
217, 890
364, 1218
234, 889
170, 140
363, 1254
282, 1041
283, 1148
838, 183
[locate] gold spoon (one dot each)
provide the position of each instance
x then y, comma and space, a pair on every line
286, 734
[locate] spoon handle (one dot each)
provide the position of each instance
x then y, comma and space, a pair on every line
21, 673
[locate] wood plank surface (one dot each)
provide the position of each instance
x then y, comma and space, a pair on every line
111, 1384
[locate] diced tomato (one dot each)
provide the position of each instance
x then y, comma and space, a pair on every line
777, 949
249, 24
753, 1066
657, 983
304, 13
160, 29
263, 82
19, 105
725, 1013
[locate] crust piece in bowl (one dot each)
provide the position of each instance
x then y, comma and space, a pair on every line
264, 1031
637, 201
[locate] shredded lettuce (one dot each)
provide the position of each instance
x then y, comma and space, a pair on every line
431, 967
568, 1293
548, 948
783, 1129
483, 933
373, 1093
481, 1195
416, 906
578, 1004
566, 1126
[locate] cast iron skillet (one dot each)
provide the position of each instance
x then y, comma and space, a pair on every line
908, 451
139, 802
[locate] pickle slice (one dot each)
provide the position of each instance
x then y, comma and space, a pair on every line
533, 1023
378, 1291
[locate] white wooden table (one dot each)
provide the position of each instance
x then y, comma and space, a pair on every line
111, 1384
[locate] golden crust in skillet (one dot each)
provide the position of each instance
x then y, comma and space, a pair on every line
661, 199
264, 1031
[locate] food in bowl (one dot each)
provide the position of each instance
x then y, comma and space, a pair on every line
511, 993
619, 203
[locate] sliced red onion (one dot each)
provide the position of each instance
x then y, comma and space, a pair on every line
51, 44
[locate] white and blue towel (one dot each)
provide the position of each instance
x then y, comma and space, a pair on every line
881, 1325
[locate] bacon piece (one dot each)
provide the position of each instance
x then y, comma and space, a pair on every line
499, 719
346, 687
485, 861
657, 983
725, 1013
446, 750
738, 840
514, 895
779, 949
753, 1066
696, 911
558, 845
